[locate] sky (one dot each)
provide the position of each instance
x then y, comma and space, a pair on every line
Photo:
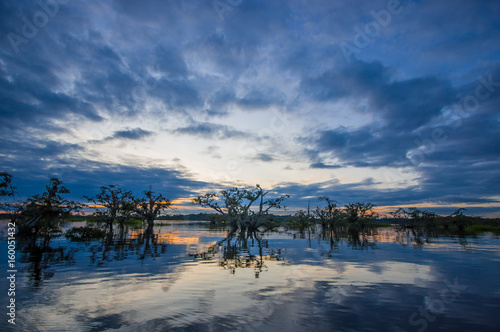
396, 103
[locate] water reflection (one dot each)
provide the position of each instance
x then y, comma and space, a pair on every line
355, 238
419, 237
241, 250
40, 260
193, 277
116, 247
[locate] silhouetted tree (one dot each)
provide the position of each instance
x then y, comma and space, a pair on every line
6, 189
413, 217
460, 220
330, 215
235, 205
42, 214
302, 219
117, 205
150, 206
360, 213
403, 216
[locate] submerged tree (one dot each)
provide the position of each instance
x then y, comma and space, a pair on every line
302, 219
113, 204
150, 206
6, 190
360, 214
413, 217
330, 215
42, 214
236, 204
460, 220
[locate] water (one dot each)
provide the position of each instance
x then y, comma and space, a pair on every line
193, 278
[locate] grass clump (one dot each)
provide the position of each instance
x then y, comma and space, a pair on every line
495, 229
85, 233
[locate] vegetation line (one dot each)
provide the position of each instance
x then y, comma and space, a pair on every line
242, 210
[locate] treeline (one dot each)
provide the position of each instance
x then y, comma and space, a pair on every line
360, 215
234, 208
240, 209
332, 214
189, 217
41, 215
417, 218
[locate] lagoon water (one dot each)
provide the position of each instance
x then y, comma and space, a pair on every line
190, 277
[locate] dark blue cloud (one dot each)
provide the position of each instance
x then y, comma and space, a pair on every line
177, 93
257, 98
210, 130
264, 157
262, 98
404, 105
131, 134
170, 62
322, 165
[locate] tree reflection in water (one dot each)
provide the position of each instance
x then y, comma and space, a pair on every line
420, 236
236, 251
41, 259
245, 249
126, 242
43, 254
354, 237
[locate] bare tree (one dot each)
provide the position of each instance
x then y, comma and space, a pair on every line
6, 190
413, 217
236, 204
360, 213
150, 206
331, 214
42, 214
302, 219
460, 220
118, 205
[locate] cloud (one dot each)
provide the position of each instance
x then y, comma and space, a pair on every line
407, 113
363, 147
210, 130
29, 104
170, 62
255, 98
454, 155
177, 93
262, 98
131, 134
322, 165
403, 105
264, 157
